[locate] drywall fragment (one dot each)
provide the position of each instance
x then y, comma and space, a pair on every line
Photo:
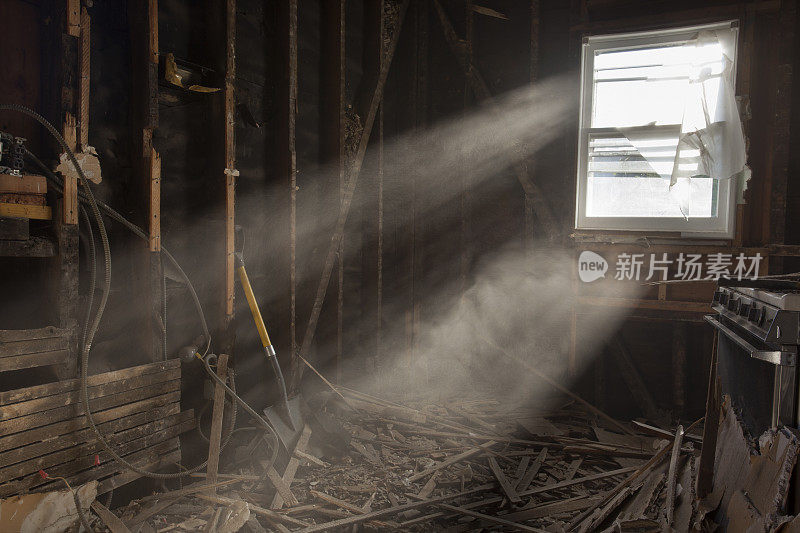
88, 161
44, 512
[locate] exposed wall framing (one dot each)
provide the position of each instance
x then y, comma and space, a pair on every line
147, 168
353, 172
332, 144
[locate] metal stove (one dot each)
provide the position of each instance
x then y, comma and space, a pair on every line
758, 325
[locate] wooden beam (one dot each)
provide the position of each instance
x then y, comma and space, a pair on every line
291, 468
332, 147
528, 220
451, 460
287, 105
73, 26
72, 98
215, 437
230, 173
632, 303
36, 212
686, 17
672, 475
147, 289
108, 518
32, 247
505, 485
420, 104
366, 517
292, 103
679, 367
465, 199
489, 518
532, 368
281, 487
154, 206
347, 198
527, 477
780, 127
632, 378
538, 204
708, 451
611, 495
83, 81
151, 157
370, 193
69, 197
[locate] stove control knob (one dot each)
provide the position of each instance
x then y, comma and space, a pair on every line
754, 313
762, 316
733, 305
744, 309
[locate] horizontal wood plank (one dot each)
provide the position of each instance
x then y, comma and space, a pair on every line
658, 305
33, 346
29, 247
160, 444
33, 360
107, 469
56, 441
43, 427
126, 441
22, 423
25, 184
14, 335
49, 389
78, 423
73, 397
36, 212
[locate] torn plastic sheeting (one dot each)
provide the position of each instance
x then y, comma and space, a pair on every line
710, 142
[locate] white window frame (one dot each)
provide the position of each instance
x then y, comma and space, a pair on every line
719, 227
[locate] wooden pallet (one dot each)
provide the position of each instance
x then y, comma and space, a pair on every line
43, 428
29, 348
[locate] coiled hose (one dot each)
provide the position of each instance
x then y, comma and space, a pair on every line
92, 270
141, 234
88, 196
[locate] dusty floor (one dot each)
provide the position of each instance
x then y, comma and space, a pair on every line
461, 465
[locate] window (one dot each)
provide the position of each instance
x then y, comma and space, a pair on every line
660, 141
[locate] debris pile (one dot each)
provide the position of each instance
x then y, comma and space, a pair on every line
458, 465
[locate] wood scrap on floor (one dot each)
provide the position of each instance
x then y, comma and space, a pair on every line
751, 479
434, 465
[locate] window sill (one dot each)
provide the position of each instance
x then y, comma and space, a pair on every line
645, 239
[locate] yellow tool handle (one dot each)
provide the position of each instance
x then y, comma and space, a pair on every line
251, 300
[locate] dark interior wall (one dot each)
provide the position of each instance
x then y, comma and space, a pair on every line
427, 259
25, 53
767, 53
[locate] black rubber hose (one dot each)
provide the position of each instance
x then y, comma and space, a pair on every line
95, 323
244, 406
141, 234
231, 424
81, 514
92, 253
163, 306
136, 230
